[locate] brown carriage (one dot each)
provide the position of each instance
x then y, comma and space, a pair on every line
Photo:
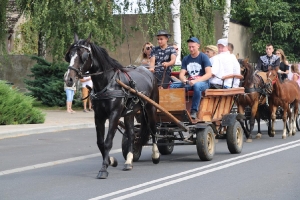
215, 119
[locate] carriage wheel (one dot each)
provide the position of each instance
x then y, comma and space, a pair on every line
235, 138
168, 144
298, 122
167, 148
137, 148
205, 143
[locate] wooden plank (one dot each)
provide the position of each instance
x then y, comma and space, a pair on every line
224, 92
172, 99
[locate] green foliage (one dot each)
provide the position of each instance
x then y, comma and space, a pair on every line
16, 108
3, 27
196, 18
275, 22
58, 20
28, 41
47, 85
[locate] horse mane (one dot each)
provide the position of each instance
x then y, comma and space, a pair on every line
250, 71
101, 58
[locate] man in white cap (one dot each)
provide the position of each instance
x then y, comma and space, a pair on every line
198, 66
224, 64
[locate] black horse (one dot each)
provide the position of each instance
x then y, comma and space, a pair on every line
111, 101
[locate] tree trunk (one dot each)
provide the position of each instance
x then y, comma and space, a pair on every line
226, 19
42, 45
175, 7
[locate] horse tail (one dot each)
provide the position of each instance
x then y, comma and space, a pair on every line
144, 130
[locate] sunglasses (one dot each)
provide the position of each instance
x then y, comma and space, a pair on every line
176, 49
147, 48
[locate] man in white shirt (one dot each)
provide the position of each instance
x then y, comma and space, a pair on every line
224, 64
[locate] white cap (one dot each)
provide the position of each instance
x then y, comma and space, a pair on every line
223, 42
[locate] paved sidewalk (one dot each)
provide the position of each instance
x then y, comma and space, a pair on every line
56, 120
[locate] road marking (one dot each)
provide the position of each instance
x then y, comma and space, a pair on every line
52, 163
202, 173
196, 169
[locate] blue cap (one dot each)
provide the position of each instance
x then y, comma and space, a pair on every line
193, 39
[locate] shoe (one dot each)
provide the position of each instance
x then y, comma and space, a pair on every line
85, 110
90, 109
193, 114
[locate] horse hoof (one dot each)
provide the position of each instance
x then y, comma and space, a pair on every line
102, 175
293, 134
283, 137
249, 140
155, 160
127, 167
115, 163
258, 136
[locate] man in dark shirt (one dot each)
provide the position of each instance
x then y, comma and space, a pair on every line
198, 66
268, 61
162, 58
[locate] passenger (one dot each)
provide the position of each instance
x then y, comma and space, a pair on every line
211, 51
269, 60
230, 47
162, 57
198, 66
224, 64
283, 66
144, 57
296, 74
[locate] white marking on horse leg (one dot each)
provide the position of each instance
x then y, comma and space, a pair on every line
155, 152
129, 158
294, 125
112, 160
284, 130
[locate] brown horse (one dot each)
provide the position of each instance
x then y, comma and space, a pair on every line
284, 93
257, 87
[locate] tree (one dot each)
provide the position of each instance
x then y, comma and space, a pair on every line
56, 21
226, 19
275, 22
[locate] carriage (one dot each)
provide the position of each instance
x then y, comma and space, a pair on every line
164, 118
215, 120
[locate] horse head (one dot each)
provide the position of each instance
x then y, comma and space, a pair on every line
80, 58
272, 75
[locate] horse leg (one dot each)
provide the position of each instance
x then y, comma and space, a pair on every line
294, 115
291, 119
107, 145
151, 111
271, 131
129, 121
257, 117
241, 111
284, 117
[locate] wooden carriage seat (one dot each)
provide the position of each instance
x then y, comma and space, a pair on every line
174, 101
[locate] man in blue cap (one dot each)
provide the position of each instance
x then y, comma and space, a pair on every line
198, 66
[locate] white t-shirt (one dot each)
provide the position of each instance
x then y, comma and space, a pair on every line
225, 64
89, 83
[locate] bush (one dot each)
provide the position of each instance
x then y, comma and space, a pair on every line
16, 108
47, 84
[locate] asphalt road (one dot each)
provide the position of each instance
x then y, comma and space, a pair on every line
63, 165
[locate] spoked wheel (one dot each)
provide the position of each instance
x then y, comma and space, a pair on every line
235, 138
205, 143
137, 148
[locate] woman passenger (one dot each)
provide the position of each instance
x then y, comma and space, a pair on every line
283, 67
211, 51
296, 74
144, 57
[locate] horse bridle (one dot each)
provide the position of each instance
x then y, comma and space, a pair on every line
85, 56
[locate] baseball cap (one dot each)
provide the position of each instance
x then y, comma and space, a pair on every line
193, 39
223, 42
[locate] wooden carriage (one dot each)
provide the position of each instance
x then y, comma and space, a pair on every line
215, 119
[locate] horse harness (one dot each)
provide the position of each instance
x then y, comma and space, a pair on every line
264, 90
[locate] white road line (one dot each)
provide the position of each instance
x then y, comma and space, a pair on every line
52, 163
190, 171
